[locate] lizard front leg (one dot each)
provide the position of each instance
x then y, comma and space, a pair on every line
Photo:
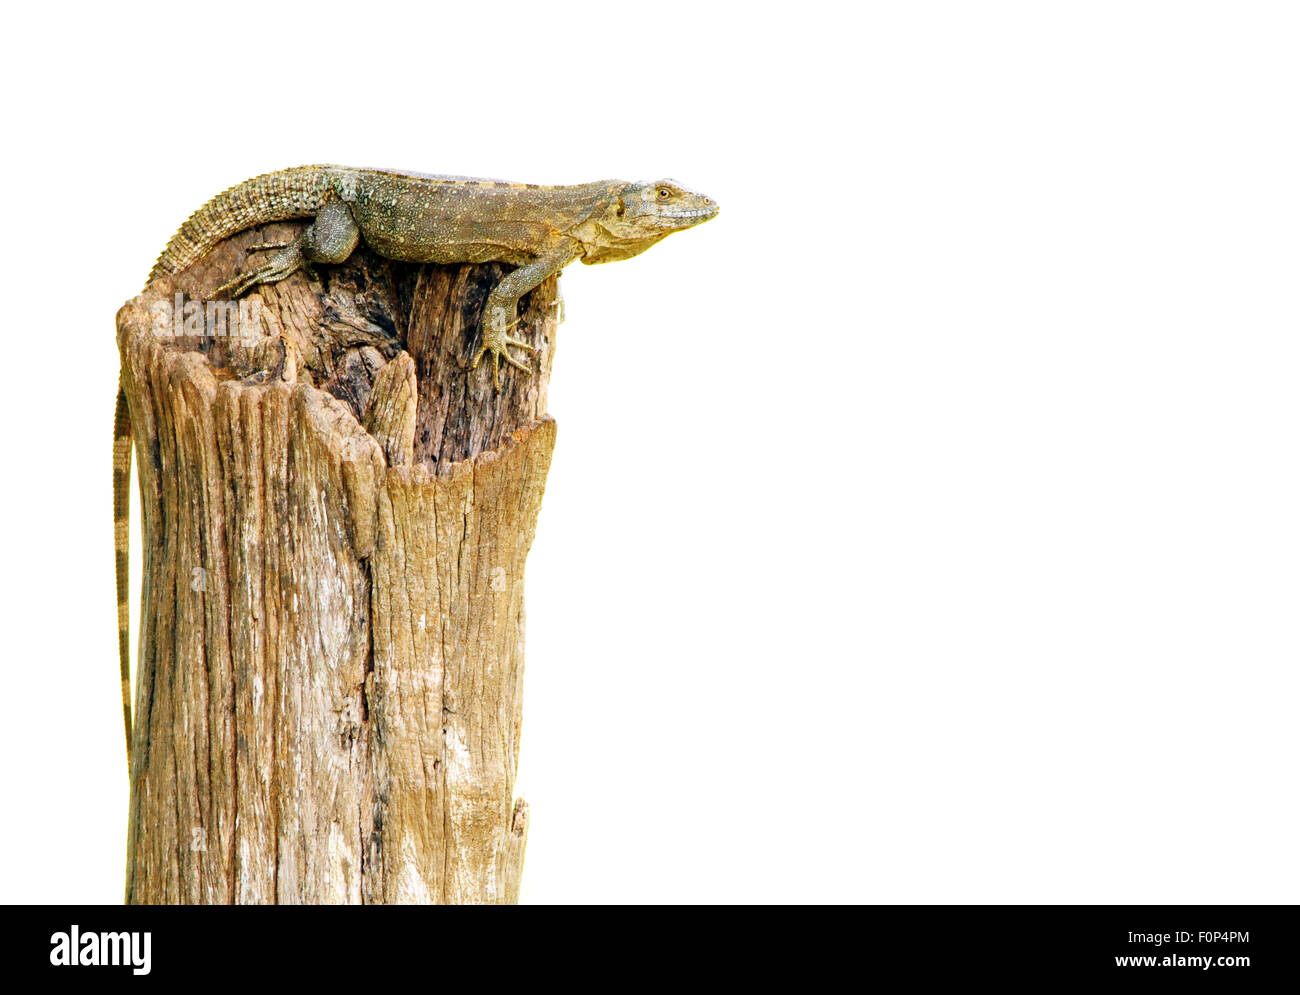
502, 302
330, 238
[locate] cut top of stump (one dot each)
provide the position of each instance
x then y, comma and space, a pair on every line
390, 341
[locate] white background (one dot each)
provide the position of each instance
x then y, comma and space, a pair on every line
924, 529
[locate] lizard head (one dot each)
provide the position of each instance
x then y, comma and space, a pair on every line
643, 213
663, 206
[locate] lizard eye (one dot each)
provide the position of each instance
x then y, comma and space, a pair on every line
664, 193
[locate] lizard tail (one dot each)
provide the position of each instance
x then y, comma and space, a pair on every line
122, 544
279, 196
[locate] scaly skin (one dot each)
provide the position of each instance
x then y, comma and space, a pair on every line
414, 218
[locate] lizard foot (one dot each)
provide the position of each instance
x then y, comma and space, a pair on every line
497, 342
284, 263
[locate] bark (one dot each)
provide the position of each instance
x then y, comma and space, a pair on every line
336, 515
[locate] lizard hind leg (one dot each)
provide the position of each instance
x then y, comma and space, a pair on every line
329, 239
332, 236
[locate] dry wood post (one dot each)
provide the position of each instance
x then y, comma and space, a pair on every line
336, 514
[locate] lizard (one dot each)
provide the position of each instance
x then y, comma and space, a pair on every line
411, 217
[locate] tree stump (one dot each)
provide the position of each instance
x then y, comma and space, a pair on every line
336, 514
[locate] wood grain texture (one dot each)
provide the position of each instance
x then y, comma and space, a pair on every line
336, 517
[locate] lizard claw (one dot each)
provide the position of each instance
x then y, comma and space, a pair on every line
499, 353
285, 263
498, 343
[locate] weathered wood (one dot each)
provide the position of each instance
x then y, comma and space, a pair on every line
336, 515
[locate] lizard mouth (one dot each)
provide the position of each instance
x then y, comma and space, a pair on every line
698, 212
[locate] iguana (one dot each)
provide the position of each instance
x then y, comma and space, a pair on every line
411, 217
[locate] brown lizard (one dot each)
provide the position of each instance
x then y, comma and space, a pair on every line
414, 218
